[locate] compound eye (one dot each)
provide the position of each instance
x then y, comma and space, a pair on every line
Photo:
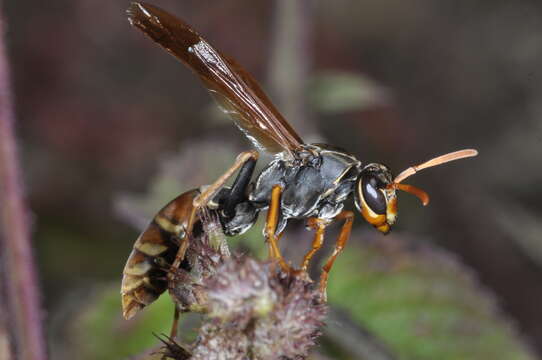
374, 198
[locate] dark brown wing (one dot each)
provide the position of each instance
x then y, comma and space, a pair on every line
236, 91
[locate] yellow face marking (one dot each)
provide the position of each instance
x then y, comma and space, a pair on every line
168, 226
384, 228
369, 215
381, 222
391, 208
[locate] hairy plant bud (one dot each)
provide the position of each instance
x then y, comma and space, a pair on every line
207, 250
258, 312
253, 310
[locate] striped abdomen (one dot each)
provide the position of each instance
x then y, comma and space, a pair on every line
145, 273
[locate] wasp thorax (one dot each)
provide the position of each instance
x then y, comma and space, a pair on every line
375, 199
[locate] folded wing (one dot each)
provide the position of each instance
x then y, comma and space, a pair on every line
235, 90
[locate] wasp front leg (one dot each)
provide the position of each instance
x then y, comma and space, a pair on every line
246, 160
271, 229
320, 226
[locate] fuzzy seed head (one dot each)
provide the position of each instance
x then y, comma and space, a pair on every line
258, 312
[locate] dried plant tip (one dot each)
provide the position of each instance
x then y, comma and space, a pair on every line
290, 331
172, 349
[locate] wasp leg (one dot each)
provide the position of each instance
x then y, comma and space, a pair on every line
210, 192
202, 199
170, 277
271, 228
320, 226
199, 202
175, 325
238, 191
180, 256
348, 217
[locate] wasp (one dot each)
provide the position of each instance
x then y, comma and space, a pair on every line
303, 181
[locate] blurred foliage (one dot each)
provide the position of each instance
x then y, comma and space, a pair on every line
531, 229
98, 331
332, 92
421, 301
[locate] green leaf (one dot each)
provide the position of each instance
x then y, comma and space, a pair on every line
421, 301
333, 92
100, 332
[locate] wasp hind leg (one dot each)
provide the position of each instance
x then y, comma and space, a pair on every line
344, 235
320, 226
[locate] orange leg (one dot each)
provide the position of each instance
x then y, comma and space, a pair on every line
271, 228
320, 226
348, 217
202, 199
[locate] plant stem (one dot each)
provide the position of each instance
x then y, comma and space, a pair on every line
18, 272
291, 61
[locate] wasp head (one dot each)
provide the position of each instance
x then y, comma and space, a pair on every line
375, 198
375, 189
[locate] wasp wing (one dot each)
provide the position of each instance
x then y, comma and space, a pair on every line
236, 91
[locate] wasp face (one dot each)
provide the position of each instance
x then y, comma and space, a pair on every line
375, 198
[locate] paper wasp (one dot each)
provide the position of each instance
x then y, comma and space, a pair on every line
303, 181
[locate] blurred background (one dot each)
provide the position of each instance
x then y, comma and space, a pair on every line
111, 128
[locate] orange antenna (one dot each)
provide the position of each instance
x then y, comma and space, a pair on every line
456, 155
419, 193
